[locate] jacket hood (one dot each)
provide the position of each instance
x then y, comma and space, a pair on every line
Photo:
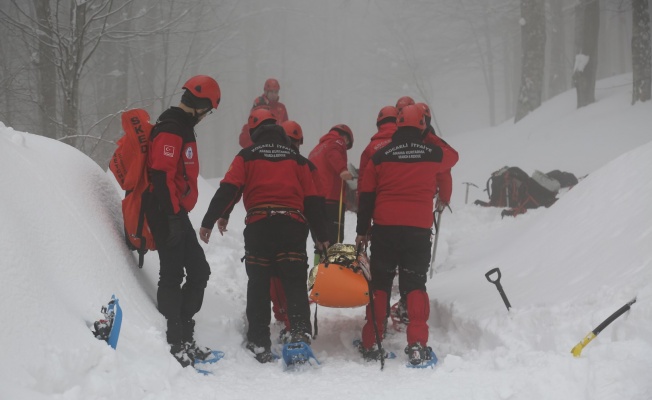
331, 135
385, 131
270, 133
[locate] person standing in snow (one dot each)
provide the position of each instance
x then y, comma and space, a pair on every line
329, 156
270, 100
397, 193
173, 167
281, 201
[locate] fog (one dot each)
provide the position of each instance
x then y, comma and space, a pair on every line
337, 62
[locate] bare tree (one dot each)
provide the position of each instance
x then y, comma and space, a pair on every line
533, 44
557, 82
587, 23
641, 60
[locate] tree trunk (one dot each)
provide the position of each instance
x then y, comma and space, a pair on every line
46, 69
641, 60
533, 44
558, 70
587, 23
491, 85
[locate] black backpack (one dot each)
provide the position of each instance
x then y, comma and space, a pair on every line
511, 187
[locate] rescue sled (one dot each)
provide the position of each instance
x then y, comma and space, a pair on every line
340, 281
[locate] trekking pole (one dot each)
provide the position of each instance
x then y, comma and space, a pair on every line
466, 197
381, 351
434, 245
577, 350
339, 215
498, 286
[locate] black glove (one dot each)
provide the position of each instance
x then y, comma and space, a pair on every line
175, 230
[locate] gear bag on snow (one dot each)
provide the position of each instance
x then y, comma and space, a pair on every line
512, 188
129, 166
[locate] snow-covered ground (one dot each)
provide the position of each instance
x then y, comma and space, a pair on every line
564, 270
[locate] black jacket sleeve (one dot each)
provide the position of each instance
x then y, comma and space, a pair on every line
365, 212
222, 204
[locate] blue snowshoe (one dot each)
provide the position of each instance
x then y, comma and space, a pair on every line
420, 356
108, 328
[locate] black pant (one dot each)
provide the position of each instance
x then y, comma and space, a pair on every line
405, 247
176, 302
334, 222
276, 245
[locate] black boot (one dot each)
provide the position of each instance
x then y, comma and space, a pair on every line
262, 354
180, 353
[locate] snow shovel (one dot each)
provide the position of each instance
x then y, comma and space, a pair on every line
577, 350
498, 285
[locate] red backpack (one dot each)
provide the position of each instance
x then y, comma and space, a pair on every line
129, 166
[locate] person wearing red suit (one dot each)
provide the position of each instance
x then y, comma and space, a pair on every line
270, 98
173, 167
397, 194
281, 201
329, 156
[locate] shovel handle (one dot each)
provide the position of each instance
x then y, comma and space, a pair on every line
488, 275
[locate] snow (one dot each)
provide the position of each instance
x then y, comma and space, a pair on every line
581, 60
564, 269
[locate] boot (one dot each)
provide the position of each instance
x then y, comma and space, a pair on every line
180, 353
300, 337
373, 353
197, 352
262, 354
417, 354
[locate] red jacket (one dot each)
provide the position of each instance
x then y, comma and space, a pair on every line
173, 162
329, 156
400, 182
444, 179
269, 173
277, 108
378, 141
245, 138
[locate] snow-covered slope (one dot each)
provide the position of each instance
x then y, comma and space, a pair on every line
565, 269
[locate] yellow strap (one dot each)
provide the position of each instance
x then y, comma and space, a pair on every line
339, 215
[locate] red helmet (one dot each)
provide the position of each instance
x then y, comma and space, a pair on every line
271, 85
426, 110
411, 116
387, 112
341, 128
258, 116
404, 101
293, 130
204, 87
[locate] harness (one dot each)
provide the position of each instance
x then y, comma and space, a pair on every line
269, 210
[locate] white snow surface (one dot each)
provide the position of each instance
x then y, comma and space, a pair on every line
564, 269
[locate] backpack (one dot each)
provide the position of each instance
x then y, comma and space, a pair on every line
511, 187
129, 166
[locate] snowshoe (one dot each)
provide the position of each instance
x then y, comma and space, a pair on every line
108, 329
420, 356
372, 354
201, 364
298, 353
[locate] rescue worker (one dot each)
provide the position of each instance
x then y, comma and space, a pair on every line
329, 156
270, 98
397, 194
281, 201
173, 167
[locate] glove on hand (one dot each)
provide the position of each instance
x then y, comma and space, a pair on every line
175, 230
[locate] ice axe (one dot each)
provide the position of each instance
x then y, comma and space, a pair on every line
577, 350
498, 285
466, 197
